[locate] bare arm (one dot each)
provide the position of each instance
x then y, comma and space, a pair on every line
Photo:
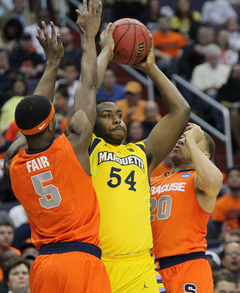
106, 54
14, 148
166, 133
54, 52
208, 179
85, 95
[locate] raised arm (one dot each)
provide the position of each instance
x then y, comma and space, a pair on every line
54, 52
106, 54
208, 179
166, 133
85, 95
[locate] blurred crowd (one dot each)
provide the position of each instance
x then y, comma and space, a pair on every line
198, 40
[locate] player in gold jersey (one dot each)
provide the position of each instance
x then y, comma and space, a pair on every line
121, 177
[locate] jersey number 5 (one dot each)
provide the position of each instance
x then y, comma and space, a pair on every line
163, 207
44, 192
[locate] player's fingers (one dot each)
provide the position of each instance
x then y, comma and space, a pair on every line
90, 7
44, 27
53, 30
94, 7
39, 33
79, 13
112, 27
85, 8
99, 9
59, 40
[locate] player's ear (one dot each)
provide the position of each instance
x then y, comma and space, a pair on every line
51, 126
207, 155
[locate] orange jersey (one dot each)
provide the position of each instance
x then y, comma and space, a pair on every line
179, 224
11, 132
170, 43
57, 194
227, 209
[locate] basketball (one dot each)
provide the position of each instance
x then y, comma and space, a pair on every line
132, 41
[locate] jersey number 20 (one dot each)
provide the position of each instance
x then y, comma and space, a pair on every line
47, 190
163, 206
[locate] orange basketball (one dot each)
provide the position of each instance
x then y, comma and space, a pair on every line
132, 41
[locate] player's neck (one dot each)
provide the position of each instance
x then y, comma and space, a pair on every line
181, 167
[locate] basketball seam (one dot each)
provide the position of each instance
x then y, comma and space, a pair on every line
133, 44
121, 36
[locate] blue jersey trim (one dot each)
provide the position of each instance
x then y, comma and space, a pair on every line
141, 147
166, 262
94, 144
64, 247
41, 150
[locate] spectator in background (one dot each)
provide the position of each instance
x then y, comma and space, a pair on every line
228, 206
132, 106
61, 103
214, 261
184, 17
228, 56
224, 282
7, 236
209, 77
42, 15
168, 45
6, 76
18, 12
71, 74
19, 87
150, 15
110, 89
71, 53
152, 116
228, 96
25, 60
18, 215
5, 258
230, 259
10, 34
17, 276
232, 26
217, 12
193, 55
134, 132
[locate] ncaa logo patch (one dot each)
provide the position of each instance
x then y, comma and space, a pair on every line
186, 175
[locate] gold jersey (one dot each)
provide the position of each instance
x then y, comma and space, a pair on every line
120, 178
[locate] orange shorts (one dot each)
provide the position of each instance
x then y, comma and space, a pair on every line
69, 272
192, 276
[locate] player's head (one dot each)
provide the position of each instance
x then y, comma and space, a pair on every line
34, 115
182, 155
224, 281
109, 124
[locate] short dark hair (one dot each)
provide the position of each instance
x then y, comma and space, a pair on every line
63, 90
210, 145
6, 223
31, 111
13, 264
113, 69
224, 275
100, 101
234, 168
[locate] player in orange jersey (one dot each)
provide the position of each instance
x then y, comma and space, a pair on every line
181, 204
51, 177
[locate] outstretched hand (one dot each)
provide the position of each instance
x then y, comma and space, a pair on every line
106, 38
53, 48
149, 60
89, 21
